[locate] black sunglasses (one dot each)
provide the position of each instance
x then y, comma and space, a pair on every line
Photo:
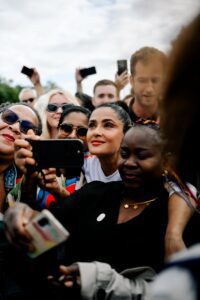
10, 117
28, 100
55, 107
68, 128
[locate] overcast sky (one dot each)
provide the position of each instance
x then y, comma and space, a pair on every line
56, 36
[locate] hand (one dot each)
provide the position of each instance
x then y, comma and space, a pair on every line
15, 219
23, 155
78, 76
49, 181
121, 80
69, 277
35, 78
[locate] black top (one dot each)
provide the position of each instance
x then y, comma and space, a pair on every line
137, 242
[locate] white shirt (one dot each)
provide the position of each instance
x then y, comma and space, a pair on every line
176, 283
93, 171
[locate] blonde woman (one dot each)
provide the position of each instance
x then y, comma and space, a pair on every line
50, 106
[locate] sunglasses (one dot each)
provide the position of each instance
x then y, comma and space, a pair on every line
10, 117
68, 128
55, 107
28, 100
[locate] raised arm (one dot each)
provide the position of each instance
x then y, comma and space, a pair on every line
179, 214
78, 79
35, 79
121, 81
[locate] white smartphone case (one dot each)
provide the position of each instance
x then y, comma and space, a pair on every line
46, 231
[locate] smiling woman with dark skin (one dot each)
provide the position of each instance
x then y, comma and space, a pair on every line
96, 215
130, 216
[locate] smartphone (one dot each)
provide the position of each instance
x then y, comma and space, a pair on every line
27, 71
65, 154
121, 66
87, 71
46, 232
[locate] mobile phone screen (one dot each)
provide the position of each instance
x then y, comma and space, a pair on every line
27, 71
87, 71
121, 66
59, 153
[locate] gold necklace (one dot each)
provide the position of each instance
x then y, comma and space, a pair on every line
135, 205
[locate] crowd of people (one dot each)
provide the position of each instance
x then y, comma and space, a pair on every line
132, 209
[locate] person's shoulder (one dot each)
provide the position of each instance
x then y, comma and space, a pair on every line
95, 194
90, 161
96, 185
99, 190
89, 158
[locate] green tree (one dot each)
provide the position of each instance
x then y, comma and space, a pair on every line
50, 85
8, 93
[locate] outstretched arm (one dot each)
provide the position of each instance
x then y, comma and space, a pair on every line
93, 278
35, 79
179, 214
121, 81
78, 79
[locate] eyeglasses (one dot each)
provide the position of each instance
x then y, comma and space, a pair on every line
10, 117
68, 128
55, 107
28, 100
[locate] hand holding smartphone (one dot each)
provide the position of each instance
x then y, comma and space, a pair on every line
27, 71
87, 71
121, 66
46, 232
65, 154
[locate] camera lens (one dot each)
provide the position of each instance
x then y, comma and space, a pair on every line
43, 222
